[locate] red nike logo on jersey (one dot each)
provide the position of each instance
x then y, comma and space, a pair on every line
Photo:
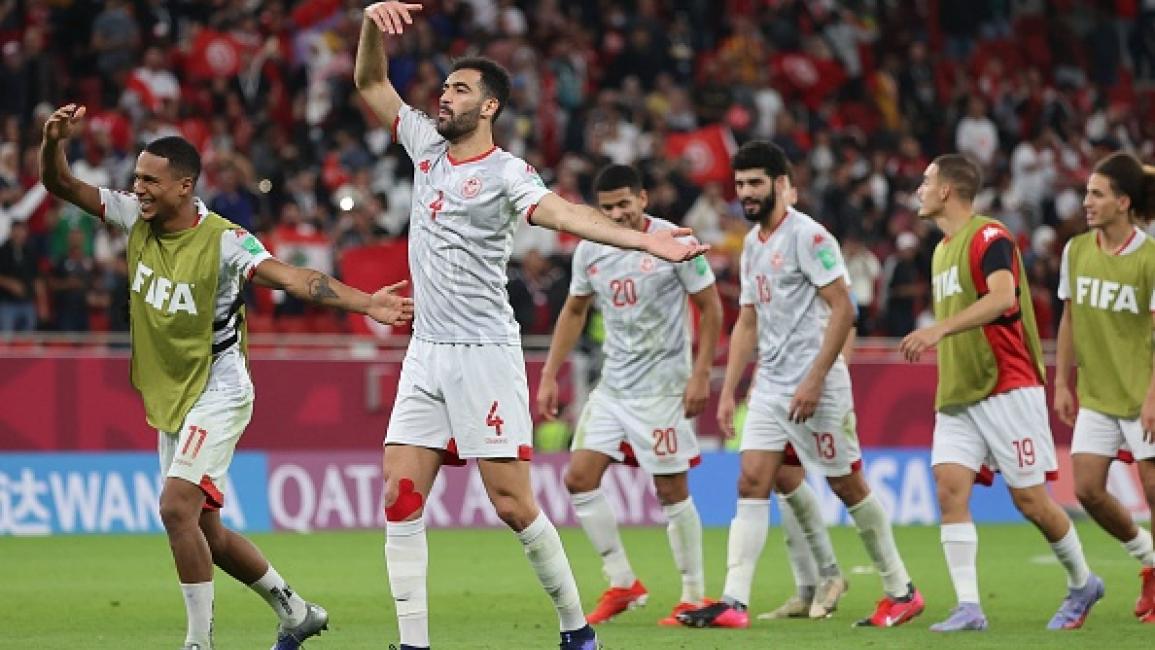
424, 166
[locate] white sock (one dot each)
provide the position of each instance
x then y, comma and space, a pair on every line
808, 511
874, 529
747, 537
685, 532
802, 563
547, 557
960, 544
198, 605
601, 527
1140, 548
407, 560
1070, 553
290, 607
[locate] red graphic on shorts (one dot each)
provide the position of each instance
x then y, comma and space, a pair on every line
471, 187
494, 420
424, 166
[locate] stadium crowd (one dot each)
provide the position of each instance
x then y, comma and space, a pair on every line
861, 94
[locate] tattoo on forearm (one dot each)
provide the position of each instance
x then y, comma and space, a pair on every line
319, 289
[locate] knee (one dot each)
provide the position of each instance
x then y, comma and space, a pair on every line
751, 486
672, 491
401, 500
1091, 496
175, 514
578, 482
513, 512
1031, 506
850, 489
952, 499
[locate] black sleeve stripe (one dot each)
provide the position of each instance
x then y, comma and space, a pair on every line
999, 256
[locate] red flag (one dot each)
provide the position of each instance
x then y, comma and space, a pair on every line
708, 150
215, 54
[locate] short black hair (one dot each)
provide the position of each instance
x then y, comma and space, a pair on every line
962, 173
764, 155
182, 157
615, 177
495, 80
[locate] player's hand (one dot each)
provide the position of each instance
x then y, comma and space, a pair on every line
920, 341
805, 400
62, 123
547, 398
696, 395
1147, 419
1065, 405
664, 244
392, 17
387, 308
726, 408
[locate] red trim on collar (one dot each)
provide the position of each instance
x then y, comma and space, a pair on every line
765, 236
469, 160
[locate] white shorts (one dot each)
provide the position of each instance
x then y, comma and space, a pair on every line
652, 432
470, 399
202, 450
1106, 435
826, 443
1009, 432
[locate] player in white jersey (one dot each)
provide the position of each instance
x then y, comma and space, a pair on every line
197, 444
463, 384
641, 410
796, 311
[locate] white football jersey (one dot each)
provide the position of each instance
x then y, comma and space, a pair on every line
241, 252
781, 274
642, 300
461, 234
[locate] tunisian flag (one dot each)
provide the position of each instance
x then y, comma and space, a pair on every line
215, 54
708, 151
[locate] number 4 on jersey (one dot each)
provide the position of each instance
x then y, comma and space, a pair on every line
494, 420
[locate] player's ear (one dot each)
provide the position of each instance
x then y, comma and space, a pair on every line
643, 199
489, 107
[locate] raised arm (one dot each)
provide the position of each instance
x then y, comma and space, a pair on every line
559, 214
54, 171
307, 284
371, 70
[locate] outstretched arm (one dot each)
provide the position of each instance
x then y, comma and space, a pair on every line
370, 72
54, 171
557, 213
307, 284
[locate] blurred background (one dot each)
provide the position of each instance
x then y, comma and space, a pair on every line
861, 94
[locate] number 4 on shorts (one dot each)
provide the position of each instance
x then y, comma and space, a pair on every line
493, 419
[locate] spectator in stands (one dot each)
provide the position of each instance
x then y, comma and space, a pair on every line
905, 286
537, 290
233, 200
71, 283
21, 287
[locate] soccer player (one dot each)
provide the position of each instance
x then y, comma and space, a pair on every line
463, 385
641, 408
1106, 282
991, 410
188, 266
796, 310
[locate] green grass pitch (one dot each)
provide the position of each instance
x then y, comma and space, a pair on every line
120, 592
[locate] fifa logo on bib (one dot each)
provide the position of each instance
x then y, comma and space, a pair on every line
1102, 294
946, 284
163, 294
